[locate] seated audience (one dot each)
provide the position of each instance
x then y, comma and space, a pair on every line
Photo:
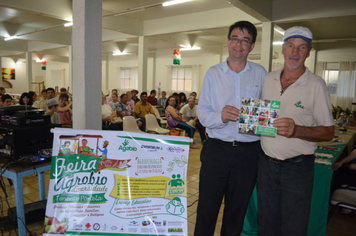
152, 98
177, 105
25, 99
183, 99
194, 94
2, 91
109, 98
6, 100
143, 108
42, 103
134, 93
130, 101
189, 112
52, 105
115, 103
175, 121
108, 116
65, 110
162, 100
345, 175
33, 97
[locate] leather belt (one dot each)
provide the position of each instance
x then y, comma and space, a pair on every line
235, 143
296, 159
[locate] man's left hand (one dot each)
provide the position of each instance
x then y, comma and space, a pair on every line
285, 127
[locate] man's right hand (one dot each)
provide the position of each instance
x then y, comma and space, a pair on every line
230, 113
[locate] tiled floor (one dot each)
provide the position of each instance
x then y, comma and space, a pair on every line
339, 225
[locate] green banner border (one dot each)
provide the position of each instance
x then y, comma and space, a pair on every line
156, 140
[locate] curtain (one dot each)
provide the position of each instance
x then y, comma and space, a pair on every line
346, 87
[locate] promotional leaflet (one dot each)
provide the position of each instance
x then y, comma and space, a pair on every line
117, 183
257, 116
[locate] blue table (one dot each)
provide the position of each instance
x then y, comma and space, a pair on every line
16, 174
320, 200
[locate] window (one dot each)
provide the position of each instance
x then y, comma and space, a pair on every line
182, 79
125, 79
331, 78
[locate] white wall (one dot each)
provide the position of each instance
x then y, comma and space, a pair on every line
20, 82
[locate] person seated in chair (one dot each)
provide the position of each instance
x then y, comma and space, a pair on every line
108, 117
174, 120
189, 112
345, 175
142, 108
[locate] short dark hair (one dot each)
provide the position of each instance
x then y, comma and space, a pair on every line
50, 89
6, 96
44, 91
143, 93
63, 95
153, 91
244, 25
122, 95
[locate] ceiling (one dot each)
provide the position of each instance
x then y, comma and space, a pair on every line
203, 23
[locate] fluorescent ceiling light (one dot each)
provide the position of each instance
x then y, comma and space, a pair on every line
278, 43
10, 38
19, 62
118, 53
39, 60
68, 24
170, 3
189, 48
128, 12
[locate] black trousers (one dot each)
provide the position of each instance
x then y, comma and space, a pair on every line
226, 171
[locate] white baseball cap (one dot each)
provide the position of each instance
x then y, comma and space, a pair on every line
298, 32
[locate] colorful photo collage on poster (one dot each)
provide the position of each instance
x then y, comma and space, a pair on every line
257, 116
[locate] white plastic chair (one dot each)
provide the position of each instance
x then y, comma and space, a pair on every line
163, 121
152, 125
130, 124
343, 198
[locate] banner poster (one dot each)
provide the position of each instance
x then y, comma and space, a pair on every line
117, 183
257, 116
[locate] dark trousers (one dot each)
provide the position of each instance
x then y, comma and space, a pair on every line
110, 126
284, 196
229, 172
201, 129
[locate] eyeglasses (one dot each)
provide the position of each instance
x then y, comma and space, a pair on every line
242, 41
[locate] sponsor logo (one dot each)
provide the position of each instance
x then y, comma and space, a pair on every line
104, 227
134, 223
151, 148
87, 225
175, 230
113, 227
96, 226
125, 148
276, 104
157, 223
299, 104
75, 225
175, 149
145, 223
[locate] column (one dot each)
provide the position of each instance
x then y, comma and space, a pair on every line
86, 42
142, 63
29, 70
70, 69
266, 45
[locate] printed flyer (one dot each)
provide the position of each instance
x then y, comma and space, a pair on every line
117, 183
257, 116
